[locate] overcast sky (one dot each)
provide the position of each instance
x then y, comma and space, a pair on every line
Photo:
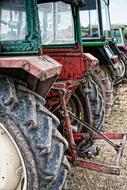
118, 11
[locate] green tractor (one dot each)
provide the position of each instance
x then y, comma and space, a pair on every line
97, 40
119, 33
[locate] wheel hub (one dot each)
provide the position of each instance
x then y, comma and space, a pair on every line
12, 168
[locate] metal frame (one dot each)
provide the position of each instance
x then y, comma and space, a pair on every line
94, 134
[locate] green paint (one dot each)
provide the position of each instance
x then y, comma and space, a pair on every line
95, 43
60, 46
78, 27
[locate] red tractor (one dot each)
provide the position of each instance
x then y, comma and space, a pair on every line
75, 98
62, 42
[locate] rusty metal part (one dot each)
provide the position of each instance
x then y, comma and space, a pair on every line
114, 136
120, 151
114, 170
94, 134
39, 72
108, 169
68, 125
75, 63
96, 131
42, 67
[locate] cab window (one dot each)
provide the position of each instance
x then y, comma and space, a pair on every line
12, 20
56, 23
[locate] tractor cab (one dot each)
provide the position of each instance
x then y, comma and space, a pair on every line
95, 22
119, 32
61, 37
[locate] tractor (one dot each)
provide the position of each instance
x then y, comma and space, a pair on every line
62, 42
32, 149
97, 40
75, 97
119, 33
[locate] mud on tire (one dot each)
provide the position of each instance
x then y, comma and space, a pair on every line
96, 102
34, 130
101, 76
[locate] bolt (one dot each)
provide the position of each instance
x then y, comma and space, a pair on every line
115, 171
26, 66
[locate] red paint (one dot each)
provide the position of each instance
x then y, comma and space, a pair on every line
75, 63
98, 167
42, 67
81, 136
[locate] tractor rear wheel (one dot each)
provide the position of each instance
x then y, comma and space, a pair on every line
79, 107
124, 54
78, 104
105, 84
32, 149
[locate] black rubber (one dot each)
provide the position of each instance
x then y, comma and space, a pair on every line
96, 102
94, 114
105, 84
34, 130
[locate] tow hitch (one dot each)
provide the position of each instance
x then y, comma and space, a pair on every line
95, 134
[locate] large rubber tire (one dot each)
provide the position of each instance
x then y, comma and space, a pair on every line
93, 113
34, 130
124, 53
103, 80
96, 104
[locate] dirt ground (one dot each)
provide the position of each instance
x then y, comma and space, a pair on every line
83, 179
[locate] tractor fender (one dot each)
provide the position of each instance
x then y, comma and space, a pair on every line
39, 72
90, 60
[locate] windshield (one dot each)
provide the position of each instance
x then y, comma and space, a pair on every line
117, 34
105, 19
12, 20
89, 20
56, 23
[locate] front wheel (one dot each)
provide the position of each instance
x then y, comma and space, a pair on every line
88, 105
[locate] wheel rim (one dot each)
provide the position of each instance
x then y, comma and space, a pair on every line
122, 68
12, 167
76, 107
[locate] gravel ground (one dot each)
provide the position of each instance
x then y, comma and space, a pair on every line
83, 179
